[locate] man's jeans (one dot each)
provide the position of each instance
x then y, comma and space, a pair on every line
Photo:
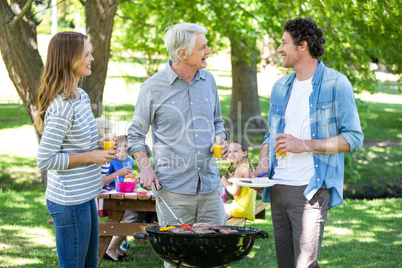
76, 234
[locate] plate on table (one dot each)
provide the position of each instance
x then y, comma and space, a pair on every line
255, 182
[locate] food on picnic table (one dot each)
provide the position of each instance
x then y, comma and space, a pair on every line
199, 228
129, 178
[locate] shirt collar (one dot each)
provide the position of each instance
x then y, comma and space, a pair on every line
316, 77
291, 78
172, 75
318, 73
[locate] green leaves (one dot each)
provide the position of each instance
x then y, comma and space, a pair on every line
357, 32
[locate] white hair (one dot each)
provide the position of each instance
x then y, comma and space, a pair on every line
104, 126
182, 36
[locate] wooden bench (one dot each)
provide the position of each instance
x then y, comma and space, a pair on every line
259, 214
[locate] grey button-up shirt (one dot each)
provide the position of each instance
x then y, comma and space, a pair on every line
184, 119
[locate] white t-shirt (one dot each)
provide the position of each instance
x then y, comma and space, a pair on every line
299, 168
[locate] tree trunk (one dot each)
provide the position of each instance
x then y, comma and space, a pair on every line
19, 49
245, 115
99, 20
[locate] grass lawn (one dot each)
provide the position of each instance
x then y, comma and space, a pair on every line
380, 173
383, 122
359, 233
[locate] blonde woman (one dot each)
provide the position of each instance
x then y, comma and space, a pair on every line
69, 150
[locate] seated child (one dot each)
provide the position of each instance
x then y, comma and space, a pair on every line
243, 205
105, 126
118, 164
114, 251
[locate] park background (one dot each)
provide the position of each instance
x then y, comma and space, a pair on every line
364, 231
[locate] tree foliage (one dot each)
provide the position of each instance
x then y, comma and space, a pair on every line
138, 28
141, 27
357, 33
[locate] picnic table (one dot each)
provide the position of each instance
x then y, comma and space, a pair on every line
118, 203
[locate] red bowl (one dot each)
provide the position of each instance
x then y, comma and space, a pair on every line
126, 187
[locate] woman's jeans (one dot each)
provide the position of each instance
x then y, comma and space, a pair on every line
76, 234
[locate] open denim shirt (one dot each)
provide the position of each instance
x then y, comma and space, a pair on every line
333, 111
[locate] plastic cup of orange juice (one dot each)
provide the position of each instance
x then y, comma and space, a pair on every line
218, 147
278, 153
108, 141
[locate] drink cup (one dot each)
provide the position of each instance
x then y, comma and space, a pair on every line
218, 147
127, 164
108, 140
278, 153
281, 159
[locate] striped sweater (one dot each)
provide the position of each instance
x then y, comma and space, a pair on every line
70, 128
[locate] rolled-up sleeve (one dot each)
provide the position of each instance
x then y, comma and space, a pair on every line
268, 134
266, 138
49, 155
347, 116
141, 121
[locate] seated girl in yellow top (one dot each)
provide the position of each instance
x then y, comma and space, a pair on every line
243, 205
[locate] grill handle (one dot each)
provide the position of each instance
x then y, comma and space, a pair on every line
261, 234
140, 236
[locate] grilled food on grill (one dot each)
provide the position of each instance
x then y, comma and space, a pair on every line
205, 225
228, 231
203, 231
180, 230
200, 228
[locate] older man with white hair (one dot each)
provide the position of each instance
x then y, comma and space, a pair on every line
181, 103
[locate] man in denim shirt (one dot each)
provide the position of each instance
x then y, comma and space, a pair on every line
181, 103
313, 120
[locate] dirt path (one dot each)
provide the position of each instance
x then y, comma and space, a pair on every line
20, 141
